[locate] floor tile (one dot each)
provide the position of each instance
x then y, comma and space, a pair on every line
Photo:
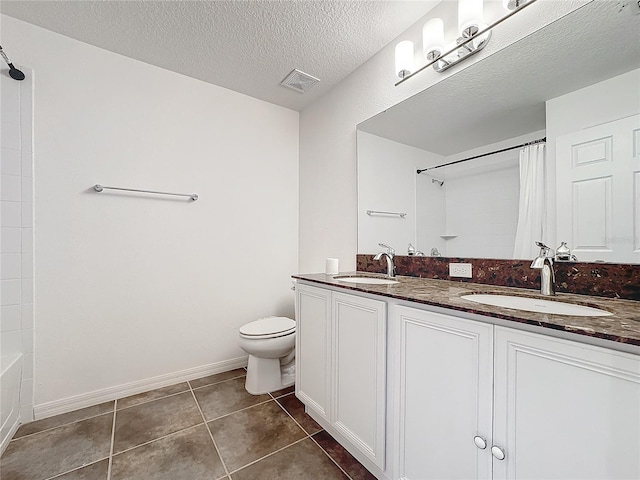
218, 377
189, 455
343, 458
296, 409
95, 471
226, 397
59, 420
250, 434
160, 435
284, 391
152, 420
152, 395
52, 452
304, 460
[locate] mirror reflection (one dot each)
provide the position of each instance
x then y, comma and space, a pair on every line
581, 185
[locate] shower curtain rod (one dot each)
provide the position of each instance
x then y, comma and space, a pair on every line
540, 140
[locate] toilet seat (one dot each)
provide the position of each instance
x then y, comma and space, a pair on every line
269, 327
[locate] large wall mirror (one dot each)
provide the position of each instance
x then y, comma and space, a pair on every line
574, 84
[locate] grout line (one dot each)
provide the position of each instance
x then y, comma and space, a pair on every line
214, 383
307, 436
310, 436
330, 457
215, 445
236, 411
113, 437
58, 475
291, 416
269, 455
153, 399
283, 395
156, 439
58, 426
187, 428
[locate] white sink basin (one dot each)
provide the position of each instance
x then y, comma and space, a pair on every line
536, 305
367, 280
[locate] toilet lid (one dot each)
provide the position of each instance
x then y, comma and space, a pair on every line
268, 326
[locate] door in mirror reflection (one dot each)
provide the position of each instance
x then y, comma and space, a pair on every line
598, 171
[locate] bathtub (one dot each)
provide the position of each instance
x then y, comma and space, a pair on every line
10, 376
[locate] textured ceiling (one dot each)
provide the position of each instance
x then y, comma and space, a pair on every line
246, 46
503, 95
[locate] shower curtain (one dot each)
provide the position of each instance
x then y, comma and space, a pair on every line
531, 211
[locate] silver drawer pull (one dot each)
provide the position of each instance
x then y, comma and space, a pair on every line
480, 442
497, 452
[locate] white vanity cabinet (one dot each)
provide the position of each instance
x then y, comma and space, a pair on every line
542, 407
563, 409
313, 349
446, 369
341, 367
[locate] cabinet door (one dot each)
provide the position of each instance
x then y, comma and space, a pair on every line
359, 379
445, 396
313, 341
565, 410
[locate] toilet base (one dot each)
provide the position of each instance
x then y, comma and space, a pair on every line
265, 375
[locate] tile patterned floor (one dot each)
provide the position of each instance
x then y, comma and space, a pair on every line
209, 428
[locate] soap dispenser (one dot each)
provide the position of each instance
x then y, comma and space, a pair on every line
563, 254
411, 250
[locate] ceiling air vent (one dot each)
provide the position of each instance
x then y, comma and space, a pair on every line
299, 81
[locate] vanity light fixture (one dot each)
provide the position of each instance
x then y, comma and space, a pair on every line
404, 58
433, 38
513, 4
470, 17
474, 36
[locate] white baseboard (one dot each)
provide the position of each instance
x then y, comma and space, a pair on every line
89, 399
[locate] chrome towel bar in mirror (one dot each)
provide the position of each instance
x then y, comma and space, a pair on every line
100, 188
386, 214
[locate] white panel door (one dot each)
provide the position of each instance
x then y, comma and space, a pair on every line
445, 396
359, 373
598, 197
313, 343
564, 410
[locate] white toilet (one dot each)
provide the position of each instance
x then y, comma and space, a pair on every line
270, 343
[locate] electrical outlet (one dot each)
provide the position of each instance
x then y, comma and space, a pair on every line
460, 270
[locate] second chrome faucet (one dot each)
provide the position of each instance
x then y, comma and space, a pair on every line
544, 262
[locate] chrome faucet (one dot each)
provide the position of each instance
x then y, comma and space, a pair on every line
544, 262
389, 254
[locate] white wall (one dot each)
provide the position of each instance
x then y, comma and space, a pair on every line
387, 183
613, 99
132, 288
16, 247
328, 197
431, 206
482, 198
482, 210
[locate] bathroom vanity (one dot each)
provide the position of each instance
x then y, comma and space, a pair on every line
418, 383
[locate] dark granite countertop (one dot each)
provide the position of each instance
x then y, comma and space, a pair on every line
623, 326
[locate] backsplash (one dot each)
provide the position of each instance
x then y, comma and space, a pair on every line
615, 280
